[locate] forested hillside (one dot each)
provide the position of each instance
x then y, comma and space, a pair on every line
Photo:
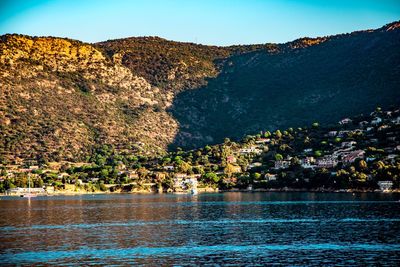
60, 99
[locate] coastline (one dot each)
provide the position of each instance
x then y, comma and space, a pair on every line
280, 190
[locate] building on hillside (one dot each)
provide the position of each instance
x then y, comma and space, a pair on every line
94, 180
307, 162
183, 182
231, 159
363, 123
270, 177
282, 164
132, 174
385, 185
180, 175
396, 121
169, 168
307, 150
63, 175
326, 162
349, 144
376, 121
49, 189
332, 133
263, 141
392, 158
160, 176
255, 165
252, 149
342, 133
20, 191
383, 127
352, 156
345, 121
34, 167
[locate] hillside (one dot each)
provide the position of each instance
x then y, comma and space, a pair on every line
61, 98
308, 80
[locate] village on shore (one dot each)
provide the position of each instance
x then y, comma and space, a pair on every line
356, 154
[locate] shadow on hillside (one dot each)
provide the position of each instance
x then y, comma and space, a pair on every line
258, 91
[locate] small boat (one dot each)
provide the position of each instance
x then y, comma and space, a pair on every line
29, 194
193, 191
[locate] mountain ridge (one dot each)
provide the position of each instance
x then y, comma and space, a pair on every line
64, 97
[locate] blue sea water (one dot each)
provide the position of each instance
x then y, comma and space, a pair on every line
227, 229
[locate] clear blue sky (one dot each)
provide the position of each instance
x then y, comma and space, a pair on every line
218, 22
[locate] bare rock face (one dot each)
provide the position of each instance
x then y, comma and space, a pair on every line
60, 98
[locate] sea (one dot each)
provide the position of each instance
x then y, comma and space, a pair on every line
210, 229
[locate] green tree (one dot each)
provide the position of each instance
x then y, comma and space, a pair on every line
102, 186
211, 177
256, 176
278, 156
178, 159
267, 134
166, 160
318, 153
278, 134
363, 165
38, 182
8, 184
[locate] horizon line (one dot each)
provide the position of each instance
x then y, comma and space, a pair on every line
196, 43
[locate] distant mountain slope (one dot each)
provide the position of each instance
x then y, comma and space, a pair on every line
61, 98
172, 66
333, 77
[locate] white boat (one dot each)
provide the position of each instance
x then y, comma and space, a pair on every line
29, 194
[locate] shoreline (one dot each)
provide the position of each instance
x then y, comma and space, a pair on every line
281, 190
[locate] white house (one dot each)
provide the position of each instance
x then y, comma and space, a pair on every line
270, 177
255, 164
169, 168
376, 121
20, 191
183, 182
326, 162
345, 121
385, 185
252, 149
352, 156
349, 144
396, 121
307, 162
332, 133
282, 164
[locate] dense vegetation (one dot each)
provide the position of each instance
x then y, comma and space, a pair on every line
342, 75
255, 161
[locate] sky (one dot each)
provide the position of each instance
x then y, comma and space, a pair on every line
211, 22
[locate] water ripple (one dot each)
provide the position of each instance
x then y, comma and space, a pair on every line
191, 222
199, 251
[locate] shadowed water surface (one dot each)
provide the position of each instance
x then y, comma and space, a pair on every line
207, 229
